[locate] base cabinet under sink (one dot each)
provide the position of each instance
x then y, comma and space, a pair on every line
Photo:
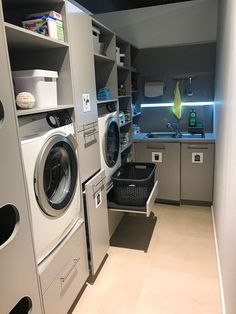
197, 171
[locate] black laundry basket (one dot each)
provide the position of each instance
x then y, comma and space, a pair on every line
133, 182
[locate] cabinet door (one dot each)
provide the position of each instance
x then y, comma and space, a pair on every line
97, 219
167, 158
19, 280
197, 164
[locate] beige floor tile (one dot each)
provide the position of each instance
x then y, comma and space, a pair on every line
177, 275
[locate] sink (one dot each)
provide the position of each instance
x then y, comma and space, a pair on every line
161, 135
172, 135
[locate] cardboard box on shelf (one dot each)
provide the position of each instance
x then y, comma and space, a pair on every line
55, 31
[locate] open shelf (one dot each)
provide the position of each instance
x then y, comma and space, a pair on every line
125, 147
20, 38
101, 58
136, 115
106, 101
123, 68
24, 112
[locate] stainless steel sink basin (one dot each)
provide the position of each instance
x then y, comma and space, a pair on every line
161, 135
172, 135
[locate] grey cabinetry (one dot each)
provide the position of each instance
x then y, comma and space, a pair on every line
167, 158
197, 165
19, 280
84, 89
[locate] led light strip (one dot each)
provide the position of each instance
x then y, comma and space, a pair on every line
203, 103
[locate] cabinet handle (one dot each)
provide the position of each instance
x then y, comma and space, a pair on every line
63, 278
197, 147
155, 147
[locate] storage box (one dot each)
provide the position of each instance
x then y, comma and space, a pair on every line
55, 15
45, 25
133, 183
40, 83
98, 46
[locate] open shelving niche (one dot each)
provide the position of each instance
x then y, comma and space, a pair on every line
29, 50
105, 65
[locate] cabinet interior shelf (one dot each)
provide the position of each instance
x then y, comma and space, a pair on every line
124, 96
106, 101
20, 38
125, 147
24, 112
136, 114
123, 68
101, 58
126, 123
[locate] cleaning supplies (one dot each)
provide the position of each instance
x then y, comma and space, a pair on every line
192, 118
177, 102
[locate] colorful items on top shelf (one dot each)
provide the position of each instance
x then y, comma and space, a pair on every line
46, 23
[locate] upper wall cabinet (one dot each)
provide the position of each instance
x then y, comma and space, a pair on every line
33, 50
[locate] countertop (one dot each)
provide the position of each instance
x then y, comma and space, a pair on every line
142, 137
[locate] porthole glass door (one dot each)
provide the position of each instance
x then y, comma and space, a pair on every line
56, 175
112, 143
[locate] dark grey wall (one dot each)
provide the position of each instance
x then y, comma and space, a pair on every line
155, 119
169, 63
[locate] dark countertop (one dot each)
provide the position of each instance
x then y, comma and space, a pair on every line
142, 137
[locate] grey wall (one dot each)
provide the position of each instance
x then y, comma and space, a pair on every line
225, 166
169, 63
155, 119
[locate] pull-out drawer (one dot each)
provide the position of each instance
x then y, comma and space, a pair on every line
64, 272
134, 209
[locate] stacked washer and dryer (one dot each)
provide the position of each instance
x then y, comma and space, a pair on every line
50, 158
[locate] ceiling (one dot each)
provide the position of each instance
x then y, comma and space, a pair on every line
103, 6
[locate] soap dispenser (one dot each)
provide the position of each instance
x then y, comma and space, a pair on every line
192, 118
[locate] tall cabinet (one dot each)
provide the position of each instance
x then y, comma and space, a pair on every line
19, 284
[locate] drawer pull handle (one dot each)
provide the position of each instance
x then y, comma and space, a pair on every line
197, 147
156, 147
76, 260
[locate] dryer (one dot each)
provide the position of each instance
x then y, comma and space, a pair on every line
51, 170
109, 136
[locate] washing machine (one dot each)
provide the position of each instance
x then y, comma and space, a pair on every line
51, 170
109, 138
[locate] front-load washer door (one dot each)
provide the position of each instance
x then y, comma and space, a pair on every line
111, 147
56, 175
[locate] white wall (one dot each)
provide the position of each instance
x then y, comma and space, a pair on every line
165, 25
225, 167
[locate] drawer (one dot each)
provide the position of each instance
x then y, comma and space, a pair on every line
64, 272
135, 209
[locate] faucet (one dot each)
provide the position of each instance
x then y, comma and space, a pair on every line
174, 127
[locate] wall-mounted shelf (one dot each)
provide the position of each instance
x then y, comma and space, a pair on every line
25, 112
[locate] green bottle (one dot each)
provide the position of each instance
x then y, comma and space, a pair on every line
192, 118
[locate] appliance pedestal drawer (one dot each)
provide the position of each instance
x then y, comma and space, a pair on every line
134, 209
64, 272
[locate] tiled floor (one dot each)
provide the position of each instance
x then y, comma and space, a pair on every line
177, 275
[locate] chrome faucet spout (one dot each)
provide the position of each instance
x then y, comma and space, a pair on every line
174, 127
